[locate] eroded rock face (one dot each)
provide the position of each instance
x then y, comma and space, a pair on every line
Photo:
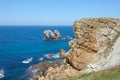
93, 40
49, 35
57, 34
44, 66
91, 36
58, 73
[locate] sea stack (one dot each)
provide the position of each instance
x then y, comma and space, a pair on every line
49, 35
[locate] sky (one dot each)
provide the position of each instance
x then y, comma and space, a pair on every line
55, 12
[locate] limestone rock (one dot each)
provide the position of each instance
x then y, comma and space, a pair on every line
93, 40
57, 34
46, 34
49, 35
62, 53
43, 66
92, 35
49, 56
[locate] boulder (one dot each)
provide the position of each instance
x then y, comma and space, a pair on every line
49, 56
62, 53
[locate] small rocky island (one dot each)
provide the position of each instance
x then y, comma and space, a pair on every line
52, 35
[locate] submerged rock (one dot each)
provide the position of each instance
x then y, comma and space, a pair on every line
68, 37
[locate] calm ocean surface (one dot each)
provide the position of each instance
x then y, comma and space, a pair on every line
21, 42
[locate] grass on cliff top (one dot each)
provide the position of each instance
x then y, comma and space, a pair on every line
110, 44
109, 74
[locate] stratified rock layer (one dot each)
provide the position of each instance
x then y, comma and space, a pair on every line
92, 35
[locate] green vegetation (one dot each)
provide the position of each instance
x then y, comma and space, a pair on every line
109, 74
110, 44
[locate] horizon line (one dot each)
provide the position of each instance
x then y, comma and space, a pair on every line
36, 25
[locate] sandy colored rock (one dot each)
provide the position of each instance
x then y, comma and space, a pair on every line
91, 36
62, 53
50, 56
93, 40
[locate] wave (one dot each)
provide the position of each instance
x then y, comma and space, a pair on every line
56, 55
63, 38
69, 38
40, 59
28, 60
47, 56
2, 73
29, 74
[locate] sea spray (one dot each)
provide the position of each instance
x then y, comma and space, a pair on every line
29, 74
2, 73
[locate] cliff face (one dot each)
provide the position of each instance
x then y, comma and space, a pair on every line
94, 38
95, 47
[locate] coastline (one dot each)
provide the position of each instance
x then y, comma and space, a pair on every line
85, 49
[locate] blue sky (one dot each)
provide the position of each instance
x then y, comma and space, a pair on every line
55, 12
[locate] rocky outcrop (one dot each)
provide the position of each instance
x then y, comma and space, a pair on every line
93, 36
62, 53
49, 56
94, 47
58, 73
44, 66
49, 35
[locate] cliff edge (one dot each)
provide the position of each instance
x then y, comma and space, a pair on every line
95, 47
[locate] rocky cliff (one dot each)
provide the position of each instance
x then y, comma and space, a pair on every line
94, 38
95, 47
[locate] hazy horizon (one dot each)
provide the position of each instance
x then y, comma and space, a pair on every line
52, 12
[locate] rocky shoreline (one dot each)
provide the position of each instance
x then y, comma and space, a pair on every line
93, 37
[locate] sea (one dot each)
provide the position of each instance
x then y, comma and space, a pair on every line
19, 43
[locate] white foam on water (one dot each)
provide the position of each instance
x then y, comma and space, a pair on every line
56, 55
28, 60
2, 73
46, 55
63, 38
40, 59
71, 38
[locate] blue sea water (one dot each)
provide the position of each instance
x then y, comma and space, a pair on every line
18, 43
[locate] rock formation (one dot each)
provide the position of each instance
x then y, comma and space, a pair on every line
62, 53
49, 35
95, 47
93, 38
68, 37
49, 56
